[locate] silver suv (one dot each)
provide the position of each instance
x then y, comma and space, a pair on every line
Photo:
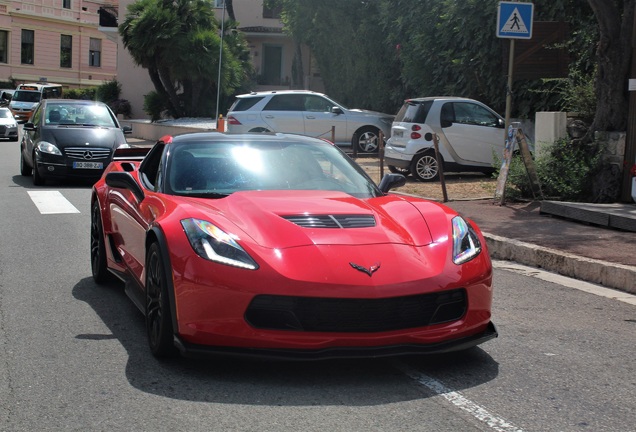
308, 113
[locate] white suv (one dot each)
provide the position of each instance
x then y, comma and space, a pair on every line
469, 132
308, 113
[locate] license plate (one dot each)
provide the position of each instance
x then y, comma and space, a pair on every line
88, 165
398, 134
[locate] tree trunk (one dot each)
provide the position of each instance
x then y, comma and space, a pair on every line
229, 6
613, 60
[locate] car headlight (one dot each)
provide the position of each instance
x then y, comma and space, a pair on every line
47, 147
214, 244
466, 244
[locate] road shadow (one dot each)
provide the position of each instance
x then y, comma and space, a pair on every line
26, 182
359, 382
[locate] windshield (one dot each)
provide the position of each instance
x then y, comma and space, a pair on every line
26, 96
72, 113
220, 168
5, 113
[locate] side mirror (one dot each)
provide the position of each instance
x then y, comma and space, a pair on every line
126, 129
390, 181
125, 180
501, 123
29, 126
336, 110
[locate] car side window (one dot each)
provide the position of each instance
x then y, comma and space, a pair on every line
286, 102
149, 169
473, 114
317, 104
37, 115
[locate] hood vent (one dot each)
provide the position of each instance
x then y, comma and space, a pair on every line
332, 221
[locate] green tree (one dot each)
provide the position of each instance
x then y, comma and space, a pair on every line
178, 42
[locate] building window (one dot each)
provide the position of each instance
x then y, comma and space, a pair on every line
95, 53
66, 51
271, 12
4, 46
28, 44
219, 3
66, 4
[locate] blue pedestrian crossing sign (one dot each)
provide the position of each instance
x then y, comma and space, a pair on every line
514, 20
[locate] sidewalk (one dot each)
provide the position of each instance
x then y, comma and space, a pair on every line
520, 232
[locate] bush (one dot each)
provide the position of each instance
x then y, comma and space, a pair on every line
108, 92
121, 106
154, 105
566, 171
87, 93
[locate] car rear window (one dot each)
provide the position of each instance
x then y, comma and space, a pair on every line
414, 111
243, 104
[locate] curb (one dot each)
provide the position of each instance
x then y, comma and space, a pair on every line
611, 275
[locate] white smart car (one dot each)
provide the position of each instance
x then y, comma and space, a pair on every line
469, 132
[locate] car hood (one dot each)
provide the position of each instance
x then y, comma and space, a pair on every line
72, 136
264, 217
367, 113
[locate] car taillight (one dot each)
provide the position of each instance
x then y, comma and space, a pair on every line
416, 128
415, 135
232, 120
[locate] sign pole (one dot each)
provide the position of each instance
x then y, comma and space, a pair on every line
511, 66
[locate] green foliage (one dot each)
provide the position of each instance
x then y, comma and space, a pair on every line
154, 105
406, 48
178, 42
108, 91
565, 169
87, 93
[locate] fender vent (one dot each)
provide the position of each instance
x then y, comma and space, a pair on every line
332, 221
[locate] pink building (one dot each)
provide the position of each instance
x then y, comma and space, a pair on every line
59, 41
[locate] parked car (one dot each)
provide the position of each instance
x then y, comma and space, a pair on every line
308, 113
470, 134
280, 245
8, 125
69, 138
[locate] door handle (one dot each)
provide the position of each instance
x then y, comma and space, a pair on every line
310, 117
269, 116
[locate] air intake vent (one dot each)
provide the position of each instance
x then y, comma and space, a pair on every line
332, 221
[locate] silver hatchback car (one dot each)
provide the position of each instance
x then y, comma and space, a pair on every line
308, 113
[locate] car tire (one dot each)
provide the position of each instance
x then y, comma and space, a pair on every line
158, 314
425, 167
398, 170
25, 170
38, 180
99, 266
366, 140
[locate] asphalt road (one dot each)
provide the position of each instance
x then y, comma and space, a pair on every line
73, 355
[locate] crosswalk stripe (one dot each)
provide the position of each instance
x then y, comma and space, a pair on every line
52, 202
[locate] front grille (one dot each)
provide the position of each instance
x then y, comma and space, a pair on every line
87, 153
332, 221
3, 130
312, 314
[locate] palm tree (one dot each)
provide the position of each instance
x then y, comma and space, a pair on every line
177, 41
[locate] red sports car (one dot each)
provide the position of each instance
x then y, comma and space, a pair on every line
281, 246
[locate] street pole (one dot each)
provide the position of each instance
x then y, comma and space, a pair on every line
218, 80
511, 61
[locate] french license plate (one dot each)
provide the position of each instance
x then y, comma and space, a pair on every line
88, 165
398, 134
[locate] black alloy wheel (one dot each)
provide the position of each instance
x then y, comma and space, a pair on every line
99, 266
158, 315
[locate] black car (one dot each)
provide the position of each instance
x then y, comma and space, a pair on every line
69, 139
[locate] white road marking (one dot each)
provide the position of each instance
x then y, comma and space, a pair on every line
456, 398
52, 202
566, 281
